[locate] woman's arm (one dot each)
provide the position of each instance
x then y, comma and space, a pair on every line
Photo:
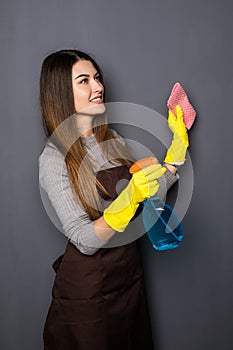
76, 223
105, 232
102, 230
171, 168
87, 235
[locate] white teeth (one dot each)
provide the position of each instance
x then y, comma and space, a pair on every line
96, 99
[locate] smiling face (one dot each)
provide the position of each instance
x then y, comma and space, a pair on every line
88, 91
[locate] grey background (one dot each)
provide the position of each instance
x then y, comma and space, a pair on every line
143, 48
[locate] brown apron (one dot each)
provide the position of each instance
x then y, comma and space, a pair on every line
99, 301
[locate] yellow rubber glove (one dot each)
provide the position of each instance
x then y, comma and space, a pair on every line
142, 185
177, 151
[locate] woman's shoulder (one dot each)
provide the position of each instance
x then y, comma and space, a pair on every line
115, 133
51, 161
50, 152
118, 136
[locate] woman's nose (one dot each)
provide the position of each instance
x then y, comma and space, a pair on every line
97, 86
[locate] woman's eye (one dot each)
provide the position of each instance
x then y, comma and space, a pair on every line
98, 77
84, 80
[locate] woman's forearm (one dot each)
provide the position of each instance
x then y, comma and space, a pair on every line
170, 167
102, 230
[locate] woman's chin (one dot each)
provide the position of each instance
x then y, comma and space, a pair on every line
93, 109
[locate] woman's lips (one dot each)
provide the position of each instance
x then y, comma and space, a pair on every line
97, 100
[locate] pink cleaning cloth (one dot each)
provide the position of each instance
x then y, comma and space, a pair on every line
179, 97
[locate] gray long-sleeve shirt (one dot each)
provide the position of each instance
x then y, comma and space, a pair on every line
53, 178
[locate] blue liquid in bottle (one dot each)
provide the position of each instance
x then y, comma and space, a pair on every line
156, 215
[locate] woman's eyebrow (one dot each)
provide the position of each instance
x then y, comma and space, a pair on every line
82, 75
85, 75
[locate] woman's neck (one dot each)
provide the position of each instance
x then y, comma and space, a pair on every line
84, 124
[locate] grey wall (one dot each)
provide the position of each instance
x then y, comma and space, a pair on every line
144, 47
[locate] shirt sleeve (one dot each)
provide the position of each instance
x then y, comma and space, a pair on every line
166, 182
76, 223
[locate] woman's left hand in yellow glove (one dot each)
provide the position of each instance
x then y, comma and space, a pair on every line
177, 151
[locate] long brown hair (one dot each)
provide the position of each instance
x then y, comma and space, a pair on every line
57, 105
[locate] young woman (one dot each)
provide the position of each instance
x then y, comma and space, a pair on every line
99, 299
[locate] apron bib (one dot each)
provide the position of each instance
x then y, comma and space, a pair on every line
99, 301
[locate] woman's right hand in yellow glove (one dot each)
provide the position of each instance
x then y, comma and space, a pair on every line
177, 151
144, 182
142, 185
